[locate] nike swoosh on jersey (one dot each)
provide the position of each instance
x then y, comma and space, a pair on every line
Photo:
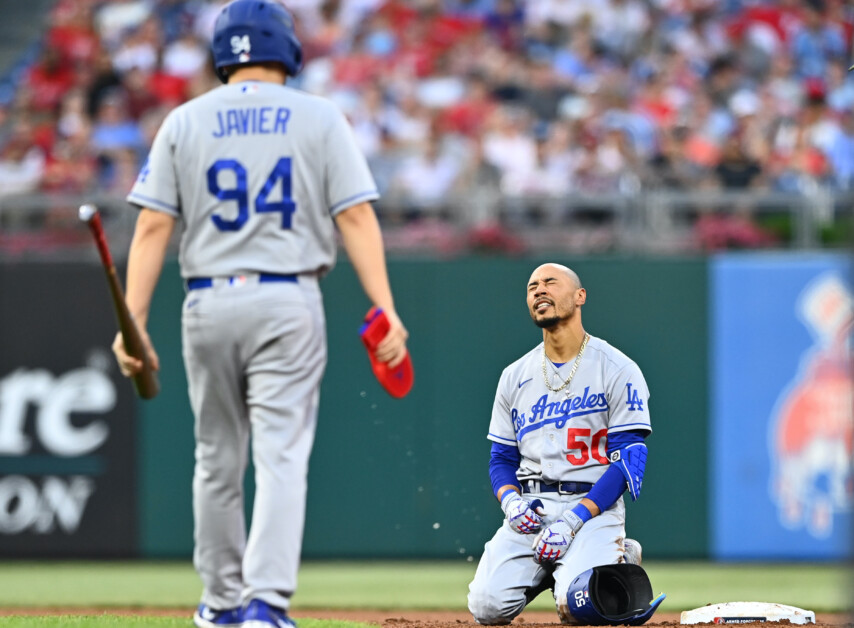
525, 382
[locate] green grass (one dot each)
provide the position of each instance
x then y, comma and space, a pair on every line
405, 585
85, 621
110, 621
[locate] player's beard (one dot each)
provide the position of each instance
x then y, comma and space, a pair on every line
552, 321
548, 323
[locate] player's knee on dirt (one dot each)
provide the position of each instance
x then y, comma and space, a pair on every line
488, 610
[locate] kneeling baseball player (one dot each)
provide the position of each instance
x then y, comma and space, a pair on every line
568, 427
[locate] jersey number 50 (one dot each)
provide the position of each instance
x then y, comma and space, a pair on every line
239, 193
576, 441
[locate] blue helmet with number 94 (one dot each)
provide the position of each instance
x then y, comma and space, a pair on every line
255, 31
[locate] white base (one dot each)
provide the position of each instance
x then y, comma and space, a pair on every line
747, 612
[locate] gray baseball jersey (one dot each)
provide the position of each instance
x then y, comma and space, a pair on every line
254, 170
563, 436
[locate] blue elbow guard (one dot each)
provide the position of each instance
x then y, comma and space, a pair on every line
631, 460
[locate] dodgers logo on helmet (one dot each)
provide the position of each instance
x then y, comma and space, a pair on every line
255, 31
812, 428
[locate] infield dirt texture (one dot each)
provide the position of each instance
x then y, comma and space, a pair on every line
334, 618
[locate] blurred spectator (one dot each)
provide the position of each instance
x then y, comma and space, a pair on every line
114, 129
73, 116
71, 33
71, 166
546, 178
670, 167
22, 163
140, 48
424, 181
576, 63
115, 18
137, 93
541, 94
475, 9
840, 87
737, 170
122, 172
817, 42
479, 183
49, 79
105, 80
384, 164
841, 153
620, 25
504, 21
185, 56
507, 145
616, 160
327, 33
467, 116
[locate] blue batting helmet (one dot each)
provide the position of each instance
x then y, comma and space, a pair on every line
612, 595
255, 31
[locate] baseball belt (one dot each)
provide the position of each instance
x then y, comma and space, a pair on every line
538, 486
197, 283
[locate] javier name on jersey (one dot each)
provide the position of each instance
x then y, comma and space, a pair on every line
252, 121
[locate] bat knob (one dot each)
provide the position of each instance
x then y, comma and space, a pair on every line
87, 212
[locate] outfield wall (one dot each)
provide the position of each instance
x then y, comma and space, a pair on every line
393, 478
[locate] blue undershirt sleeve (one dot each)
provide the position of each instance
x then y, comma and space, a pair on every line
607, 489
618, 440
503, 463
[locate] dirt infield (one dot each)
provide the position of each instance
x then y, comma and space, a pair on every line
453, 619
387, 619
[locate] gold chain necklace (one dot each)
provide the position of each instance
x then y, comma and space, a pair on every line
574, 366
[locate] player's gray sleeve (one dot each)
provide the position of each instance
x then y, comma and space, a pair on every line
629, 400
501, 429
156, 187
349, 180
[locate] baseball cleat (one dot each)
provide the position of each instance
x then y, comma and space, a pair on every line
206, 617
259, 614
633, 551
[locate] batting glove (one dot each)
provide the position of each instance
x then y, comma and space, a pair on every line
554, 541
524, 517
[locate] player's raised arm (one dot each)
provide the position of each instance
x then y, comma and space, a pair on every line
362, 238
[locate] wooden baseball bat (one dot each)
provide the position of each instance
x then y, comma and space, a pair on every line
145, 382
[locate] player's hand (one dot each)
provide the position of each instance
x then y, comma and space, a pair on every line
129, 365
553, 542
523, 516
392, 348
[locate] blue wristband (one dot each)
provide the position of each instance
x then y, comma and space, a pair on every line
580, 511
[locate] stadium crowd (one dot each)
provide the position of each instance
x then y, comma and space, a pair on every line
467, 106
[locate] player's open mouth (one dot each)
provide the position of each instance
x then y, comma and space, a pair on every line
541, 306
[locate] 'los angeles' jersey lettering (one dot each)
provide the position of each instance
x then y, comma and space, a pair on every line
557, 412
